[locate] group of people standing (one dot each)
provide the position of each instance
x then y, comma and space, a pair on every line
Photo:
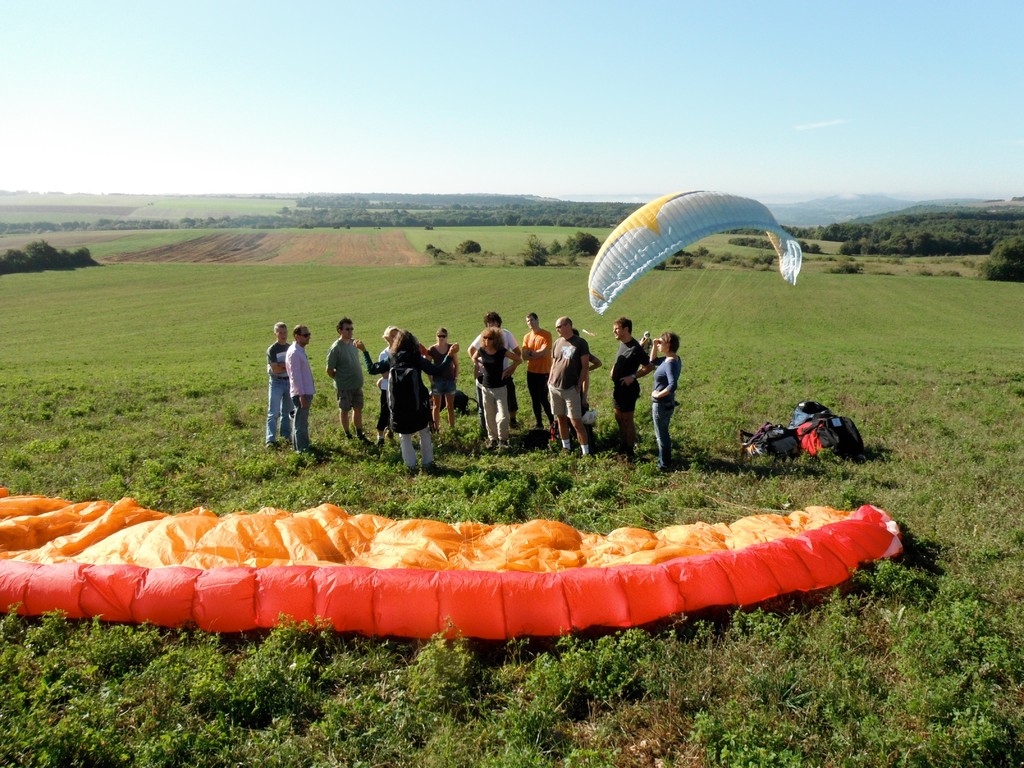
558, 380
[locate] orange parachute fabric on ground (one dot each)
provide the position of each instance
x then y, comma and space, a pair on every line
410, 578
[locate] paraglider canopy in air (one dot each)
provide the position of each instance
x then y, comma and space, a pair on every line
664, 226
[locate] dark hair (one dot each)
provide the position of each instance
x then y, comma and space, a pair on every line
534, 316
492, 318
405, 341
344, 321
624, 322
672, 339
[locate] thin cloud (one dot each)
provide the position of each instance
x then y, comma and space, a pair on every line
819, 125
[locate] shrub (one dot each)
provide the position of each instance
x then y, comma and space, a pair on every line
1006, 262
443, 677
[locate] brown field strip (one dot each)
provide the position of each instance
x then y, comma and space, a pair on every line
340, 248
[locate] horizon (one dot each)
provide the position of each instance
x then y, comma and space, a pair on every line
547, 100
623, 198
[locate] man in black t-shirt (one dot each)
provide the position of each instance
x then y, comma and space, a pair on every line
631, 363
279, 399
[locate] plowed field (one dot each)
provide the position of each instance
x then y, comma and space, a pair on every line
377, 248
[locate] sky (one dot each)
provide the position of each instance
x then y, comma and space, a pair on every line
588, 100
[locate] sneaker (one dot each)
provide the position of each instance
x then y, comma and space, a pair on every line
380, 441
492, 444
504, 445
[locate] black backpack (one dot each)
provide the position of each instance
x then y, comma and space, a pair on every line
408, 400
826, 430
462, 401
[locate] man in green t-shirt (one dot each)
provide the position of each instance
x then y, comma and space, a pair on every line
343, 365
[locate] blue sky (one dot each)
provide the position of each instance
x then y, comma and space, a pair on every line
781, 101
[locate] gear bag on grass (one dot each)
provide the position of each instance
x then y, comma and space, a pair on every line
805, 410
826, 430
462, 401
408, 400
770, 440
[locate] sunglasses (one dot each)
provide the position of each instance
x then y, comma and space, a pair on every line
302, 334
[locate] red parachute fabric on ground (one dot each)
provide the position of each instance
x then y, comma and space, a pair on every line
419, 603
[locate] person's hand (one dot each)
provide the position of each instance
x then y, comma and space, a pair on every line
359, 345
454, 349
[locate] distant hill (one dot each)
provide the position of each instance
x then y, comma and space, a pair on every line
835, 209
843, 208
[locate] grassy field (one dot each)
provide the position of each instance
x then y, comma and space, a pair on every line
59, 208
501, 246
148, 381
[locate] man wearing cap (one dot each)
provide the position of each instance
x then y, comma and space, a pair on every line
343, 366
279, 398
301, 385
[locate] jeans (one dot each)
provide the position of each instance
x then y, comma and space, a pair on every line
279, 407
300, 424
409, 450
661, 413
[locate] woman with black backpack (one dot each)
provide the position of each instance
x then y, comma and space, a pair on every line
408, 399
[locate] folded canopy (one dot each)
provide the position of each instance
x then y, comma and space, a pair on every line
410, 578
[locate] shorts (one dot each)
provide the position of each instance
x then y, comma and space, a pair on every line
566, 402
349, 399
624, 397
440, 387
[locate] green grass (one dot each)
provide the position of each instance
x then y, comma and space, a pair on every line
147, 381
59, 208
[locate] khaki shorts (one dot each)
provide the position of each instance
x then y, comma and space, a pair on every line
566, 402
349, 399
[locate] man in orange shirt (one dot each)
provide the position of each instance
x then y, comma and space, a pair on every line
537, 354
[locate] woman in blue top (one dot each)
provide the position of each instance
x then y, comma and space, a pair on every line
663, 400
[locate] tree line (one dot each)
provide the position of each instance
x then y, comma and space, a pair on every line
40, 255
937, 233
